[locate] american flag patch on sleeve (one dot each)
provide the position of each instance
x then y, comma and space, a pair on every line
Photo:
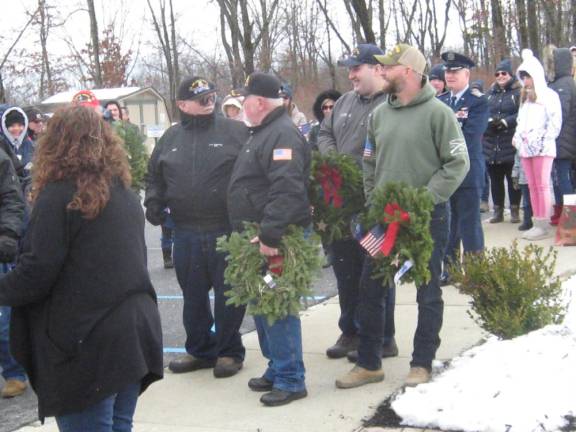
282, 154
373, 240
368, 149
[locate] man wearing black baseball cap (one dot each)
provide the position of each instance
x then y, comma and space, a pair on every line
188, 174
345, 132
269, 186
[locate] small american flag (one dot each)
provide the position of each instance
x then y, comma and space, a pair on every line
373, 240
368, 149
282, 154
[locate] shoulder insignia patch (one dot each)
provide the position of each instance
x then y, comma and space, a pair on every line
282, 154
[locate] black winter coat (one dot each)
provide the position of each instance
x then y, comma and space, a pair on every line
564, 85
11, 199
85, 323
269, 181
190, 168
497, 141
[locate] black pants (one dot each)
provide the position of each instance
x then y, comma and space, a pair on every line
499, 172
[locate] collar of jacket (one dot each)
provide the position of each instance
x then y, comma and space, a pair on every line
272, 115
510, 85
200, 121
368, 99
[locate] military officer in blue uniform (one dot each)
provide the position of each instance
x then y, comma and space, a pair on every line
471, 110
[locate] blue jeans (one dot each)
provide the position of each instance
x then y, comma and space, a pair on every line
167, 239
526, 206
348, 260
486, 186
200, 268
561, 179
281, 344
429, 298
465, 223
10, 368
113, 414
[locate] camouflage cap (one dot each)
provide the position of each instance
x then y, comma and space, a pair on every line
405, 55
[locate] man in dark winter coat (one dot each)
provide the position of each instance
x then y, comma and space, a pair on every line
188, 176
345, 132
559, 73
269, 187
504, 101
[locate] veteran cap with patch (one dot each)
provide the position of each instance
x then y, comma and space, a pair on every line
85, 98
260, 84
455, 61
194, 87
364, 54
405, 55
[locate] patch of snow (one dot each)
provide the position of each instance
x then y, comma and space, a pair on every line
525, 384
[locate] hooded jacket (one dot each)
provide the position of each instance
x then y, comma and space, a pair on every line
319, 114
497, 140
21, 148
560, 79
539, 122
420, 144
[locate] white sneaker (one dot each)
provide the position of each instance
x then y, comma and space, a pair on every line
539, 231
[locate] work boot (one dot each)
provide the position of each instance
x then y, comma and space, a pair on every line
514, 214
555, 218
227, 367
484, 207
168, 262
498, 214
13, 388
417, 375
359, 376
279, 397
188, 363
260, 384
388, 350
343, 346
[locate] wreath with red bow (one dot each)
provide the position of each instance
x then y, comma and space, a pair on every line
404, 213
336, 194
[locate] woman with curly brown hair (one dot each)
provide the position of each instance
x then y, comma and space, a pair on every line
85, 321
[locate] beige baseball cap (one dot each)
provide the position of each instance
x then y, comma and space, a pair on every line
405, 55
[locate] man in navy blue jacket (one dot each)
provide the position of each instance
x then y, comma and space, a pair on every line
471, 110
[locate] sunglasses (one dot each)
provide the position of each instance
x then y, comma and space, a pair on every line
327, 107
501, 73
207, 100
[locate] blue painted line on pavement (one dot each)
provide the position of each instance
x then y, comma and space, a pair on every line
174, 350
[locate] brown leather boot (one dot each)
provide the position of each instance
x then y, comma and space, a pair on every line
13, 388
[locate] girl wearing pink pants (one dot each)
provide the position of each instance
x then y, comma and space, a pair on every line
539, 122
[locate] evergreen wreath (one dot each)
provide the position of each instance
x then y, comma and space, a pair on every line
413, 241
336, 193
289, 276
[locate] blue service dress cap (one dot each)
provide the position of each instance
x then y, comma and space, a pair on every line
454, 61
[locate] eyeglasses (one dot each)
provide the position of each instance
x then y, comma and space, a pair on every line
501, 73
327, 107
207, 100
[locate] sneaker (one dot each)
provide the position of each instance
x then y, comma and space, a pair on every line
227, 367
526, 225
539, 231
260, 384
189, 363
417, 375
343, 346
13, 388
484, 207
359, 376
389, 350
281, 397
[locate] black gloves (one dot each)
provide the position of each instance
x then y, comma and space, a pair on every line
8, 248
155, 215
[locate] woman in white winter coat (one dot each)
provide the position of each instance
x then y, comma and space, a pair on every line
538, 124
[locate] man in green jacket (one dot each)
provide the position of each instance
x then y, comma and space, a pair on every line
412, 138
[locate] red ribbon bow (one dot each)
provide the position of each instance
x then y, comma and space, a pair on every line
331, 182
394, 215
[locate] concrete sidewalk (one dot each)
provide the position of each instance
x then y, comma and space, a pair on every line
197, 402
